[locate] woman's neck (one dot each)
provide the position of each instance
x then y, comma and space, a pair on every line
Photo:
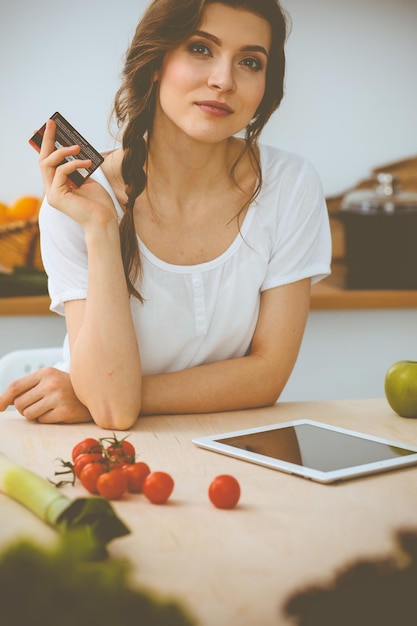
188, 166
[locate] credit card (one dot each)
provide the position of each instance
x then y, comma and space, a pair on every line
66, 135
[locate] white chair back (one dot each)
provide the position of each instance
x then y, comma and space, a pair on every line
20, 362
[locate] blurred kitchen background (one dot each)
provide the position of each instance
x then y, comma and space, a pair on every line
349, 107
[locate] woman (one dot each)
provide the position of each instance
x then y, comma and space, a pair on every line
183, 266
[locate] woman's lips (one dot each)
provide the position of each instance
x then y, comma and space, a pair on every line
212, 107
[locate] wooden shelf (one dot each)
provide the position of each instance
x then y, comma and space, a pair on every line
25, 305
326, 296
330, 294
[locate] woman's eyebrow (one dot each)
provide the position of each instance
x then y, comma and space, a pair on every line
218, 42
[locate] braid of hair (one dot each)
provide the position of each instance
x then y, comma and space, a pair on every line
134, 158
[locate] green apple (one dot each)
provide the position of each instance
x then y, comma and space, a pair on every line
401, 388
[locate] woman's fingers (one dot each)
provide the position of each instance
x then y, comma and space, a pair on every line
46, 396
59, 189
48, 140
64, 169
57, 163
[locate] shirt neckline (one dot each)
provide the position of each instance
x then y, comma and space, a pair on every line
207, 265
199, 267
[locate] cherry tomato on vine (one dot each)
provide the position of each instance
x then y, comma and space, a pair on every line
112, 485
89, 476
86, 445
224, 491
117, 462
135, 474
157, 487
122, 449
84, 458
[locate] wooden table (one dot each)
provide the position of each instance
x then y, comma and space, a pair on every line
233, 568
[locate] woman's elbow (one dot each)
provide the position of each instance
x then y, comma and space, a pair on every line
115, 418
271, 392
119, 409
113, 414
269, 398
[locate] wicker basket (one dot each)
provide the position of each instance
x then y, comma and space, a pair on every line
19, 245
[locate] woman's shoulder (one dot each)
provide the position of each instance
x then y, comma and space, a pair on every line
274, 157
282, 166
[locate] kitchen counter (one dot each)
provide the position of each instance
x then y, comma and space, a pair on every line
25, 305
238, 567
326, 295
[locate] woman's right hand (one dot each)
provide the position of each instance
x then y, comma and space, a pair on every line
46, 396
89, 204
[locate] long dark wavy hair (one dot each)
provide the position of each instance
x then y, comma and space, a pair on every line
165, 25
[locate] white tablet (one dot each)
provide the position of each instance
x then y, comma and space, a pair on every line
313, 450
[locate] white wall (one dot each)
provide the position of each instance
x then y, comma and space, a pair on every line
350, 90
30, 331
346, 354
350, 106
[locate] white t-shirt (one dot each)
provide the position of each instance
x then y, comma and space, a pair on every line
208, 312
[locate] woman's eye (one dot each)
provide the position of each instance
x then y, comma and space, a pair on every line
251, 63
199, 48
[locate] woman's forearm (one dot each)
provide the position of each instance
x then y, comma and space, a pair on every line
105, 360
240, 383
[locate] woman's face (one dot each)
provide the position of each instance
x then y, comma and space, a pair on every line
211, 85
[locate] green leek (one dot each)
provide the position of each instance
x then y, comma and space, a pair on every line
93, 516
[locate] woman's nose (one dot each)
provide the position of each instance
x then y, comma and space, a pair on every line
222, 77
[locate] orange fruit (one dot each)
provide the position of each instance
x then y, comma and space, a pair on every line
24, 208
3, 212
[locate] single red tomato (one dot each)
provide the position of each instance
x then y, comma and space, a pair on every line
224, 492
86, 445
121, 449
89, 476
136, 474
157, 487
84, 458
112, 485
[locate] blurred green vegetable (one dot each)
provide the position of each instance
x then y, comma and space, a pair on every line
58, 587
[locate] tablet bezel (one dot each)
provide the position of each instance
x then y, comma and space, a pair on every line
211, 442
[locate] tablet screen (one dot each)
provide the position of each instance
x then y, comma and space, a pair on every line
319, 448
313, 450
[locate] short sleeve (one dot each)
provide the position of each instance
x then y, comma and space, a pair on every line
64, 251
301, 239
64, 256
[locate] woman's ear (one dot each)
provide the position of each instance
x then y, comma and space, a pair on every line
155, 76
